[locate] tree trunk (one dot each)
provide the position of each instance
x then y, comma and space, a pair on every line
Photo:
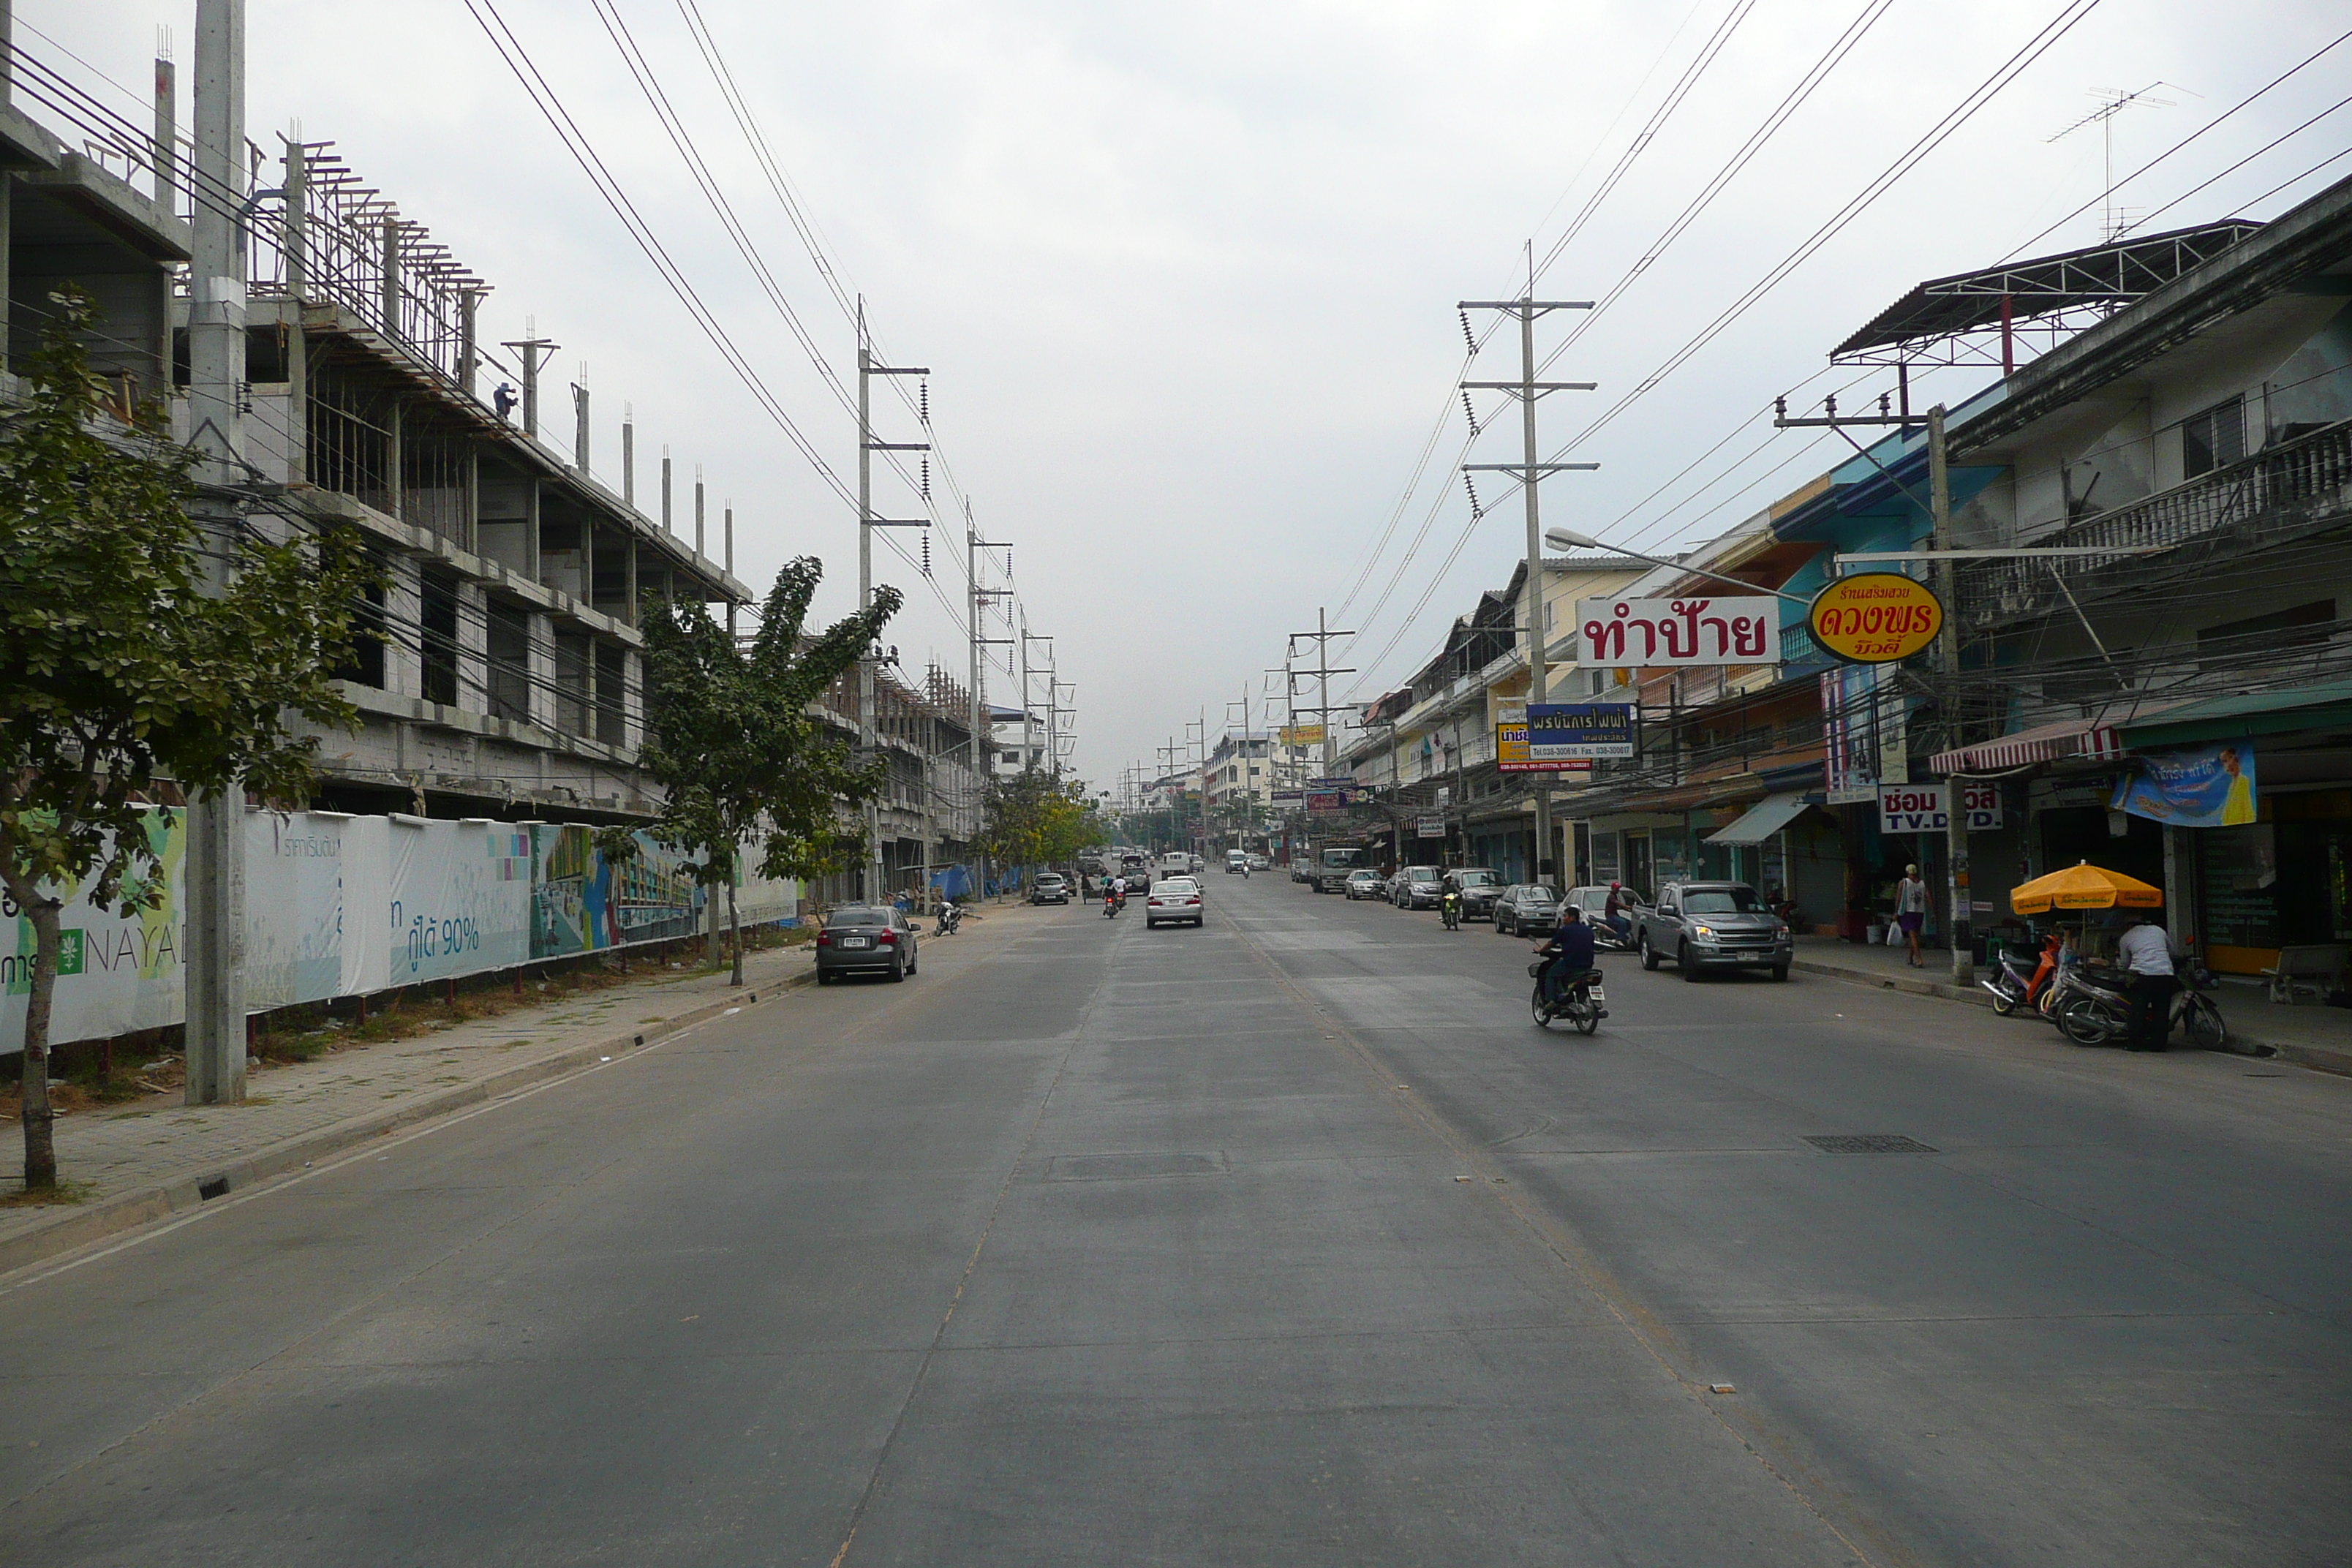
734, 933
40, 1120
710, 937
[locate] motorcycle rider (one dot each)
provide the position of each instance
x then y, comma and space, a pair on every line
1569, 950
1614, 911
1449, 906
1116, 894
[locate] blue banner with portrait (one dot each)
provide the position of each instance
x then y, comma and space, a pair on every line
2202, 786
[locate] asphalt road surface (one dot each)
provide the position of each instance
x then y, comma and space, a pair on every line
1288, 1241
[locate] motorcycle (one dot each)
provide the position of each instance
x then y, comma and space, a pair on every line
1449, 910
1113, 902
951, 916
2013, 985
2092, 1009
1580, 1005
1609, 939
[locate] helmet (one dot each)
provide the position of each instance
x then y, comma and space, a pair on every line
1614, 886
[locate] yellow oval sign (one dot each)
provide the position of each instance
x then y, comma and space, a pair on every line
1876, 618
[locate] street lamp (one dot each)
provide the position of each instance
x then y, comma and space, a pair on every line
1568, 538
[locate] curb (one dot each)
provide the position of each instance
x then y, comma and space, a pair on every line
79, 1227
2242, 1041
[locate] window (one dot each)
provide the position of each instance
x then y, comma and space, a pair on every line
509, 661
438, 610
1721, 901
2213, 440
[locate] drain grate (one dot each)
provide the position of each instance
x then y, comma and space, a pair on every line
1869, 1143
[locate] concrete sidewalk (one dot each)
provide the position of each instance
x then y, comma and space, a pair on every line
2309, 1035
153, 1157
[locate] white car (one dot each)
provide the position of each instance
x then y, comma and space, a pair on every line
1175, 900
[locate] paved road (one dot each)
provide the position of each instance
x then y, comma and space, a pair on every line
1091, 1245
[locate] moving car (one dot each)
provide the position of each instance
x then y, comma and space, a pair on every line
1713, 925
1176, 900
1530, 909
1302, 870
1049, 887
1260, 863
1365, 884
860, 940
1480, 887
1417, 888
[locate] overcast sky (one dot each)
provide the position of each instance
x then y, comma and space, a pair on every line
1185, 276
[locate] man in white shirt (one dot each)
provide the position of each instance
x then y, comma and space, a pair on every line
2147, 951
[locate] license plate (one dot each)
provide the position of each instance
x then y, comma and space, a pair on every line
855, 941
1598, 994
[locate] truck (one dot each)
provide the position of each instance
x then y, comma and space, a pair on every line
1334, 861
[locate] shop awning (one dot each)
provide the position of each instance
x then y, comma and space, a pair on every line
1761, 820
2044, 743
2327, 705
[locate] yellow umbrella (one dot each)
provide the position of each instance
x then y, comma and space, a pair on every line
2083, 885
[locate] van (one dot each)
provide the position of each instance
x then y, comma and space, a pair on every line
1237, 860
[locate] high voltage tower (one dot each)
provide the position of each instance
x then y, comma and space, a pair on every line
868, 743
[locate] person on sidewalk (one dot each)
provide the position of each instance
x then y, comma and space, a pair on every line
1911, 911
2146, 949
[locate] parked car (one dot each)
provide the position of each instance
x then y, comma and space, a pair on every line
1418, 887
1049, 887
1713, 925
1479, 887
860, 940
1175, 900
1365, 884
1529, 908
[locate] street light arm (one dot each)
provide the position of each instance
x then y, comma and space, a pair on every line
1567, 538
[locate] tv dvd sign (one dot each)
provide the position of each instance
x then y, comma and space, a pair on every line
1919, 808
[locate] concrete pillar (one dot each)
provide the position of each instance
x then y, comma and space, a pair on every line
404, 616
630, 611
530, 528
395, 460
472, 646
541, 696
632, 699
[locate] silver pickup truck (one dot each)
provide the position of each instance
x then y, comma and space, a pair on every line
1713, 925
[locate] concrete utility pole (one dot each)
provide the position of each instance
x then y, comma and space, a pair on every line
1028, 708
580, 425
665, 489
215, 823
984, 735
1530, 473
1948, 659
535, 350
629, 457
867, 523
1323, 671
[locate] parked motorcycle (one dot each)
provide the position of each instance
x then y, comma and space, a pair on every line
2016, 983
1581, 1004
2092, 1008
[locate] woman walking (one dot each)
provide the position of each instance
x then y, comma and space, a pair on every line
1911, 910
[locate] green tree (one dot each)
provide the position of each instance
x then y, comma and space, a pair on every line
1032, 818
116, 670
734, 742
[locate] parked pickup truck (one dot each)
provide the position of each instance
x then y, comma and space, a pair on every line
1713, 925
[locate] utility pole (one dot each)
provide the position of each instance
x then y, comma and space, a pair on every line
533, 347
1323, 672
1028, 709
215, 821
1530, 473
1947, 657
984, 740
867, 523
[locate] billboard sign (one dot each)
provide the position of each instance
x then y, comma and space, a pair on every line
1511, 754
1303, 734
1430, 827
1876, 618
1919, 808
1675, 633
1570, 731
2203, 786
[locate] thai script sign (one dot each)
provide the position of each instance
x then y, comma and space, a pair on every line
1673, 633
1919, 808
1876, 618
1568, 732
2205, 787
1430, 827
1302, 734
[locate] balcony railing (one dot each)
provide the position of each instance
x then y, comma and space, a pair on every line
2280, 493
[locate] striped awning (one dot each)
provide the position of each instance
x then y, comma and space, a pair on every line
2044, 743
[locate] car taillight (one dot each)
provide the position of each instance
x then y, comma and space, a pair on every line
888, 939
825, 938
1192, 900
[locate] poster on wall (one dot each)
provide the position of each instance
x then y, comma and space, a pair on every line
115, 974
581, 904
1679, 633
295, 891
2203, 786
460, 898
